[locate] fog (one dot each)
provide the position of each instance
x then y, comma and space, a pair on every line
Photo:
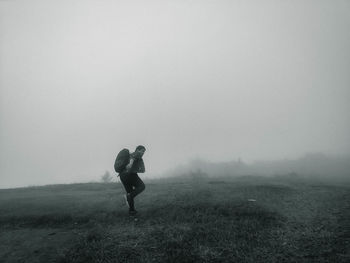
219, 80
314, 166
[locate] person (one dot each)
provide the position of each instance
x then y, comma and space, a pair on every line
131, 181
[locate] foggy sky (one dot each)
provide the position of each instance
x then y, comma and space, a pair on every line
80, 80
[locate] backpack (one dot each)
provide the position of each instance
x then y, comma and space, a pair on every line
122, 160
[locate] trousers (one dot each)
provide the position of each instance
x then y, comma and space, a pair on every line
133, 185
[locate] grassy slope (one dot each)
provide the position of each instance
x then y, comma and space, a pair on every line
180, 221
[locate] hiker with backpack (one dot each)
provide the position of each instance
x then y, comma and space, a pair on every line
128, 165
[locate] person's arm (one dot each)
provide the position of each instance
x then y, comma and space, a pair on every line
128, 167
142, 166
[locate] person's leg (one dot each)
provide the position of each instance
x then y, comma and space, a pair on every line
138, 187
127, 181
138, 184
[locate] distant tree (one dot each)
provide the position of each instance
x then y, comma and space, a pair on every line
106, 178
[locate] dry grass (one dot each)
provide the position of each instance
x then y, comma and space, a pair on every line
201, 220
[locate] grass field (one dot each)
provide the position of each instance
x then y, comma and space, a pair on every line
180, 220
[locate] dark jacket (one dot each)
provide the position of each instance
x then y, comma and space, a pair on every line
138, 165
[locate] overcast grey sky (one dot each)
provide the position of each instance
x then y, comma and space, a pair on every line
80, 80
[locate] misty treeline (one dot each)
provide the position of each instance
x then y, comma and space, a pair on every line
106, 177
312, 164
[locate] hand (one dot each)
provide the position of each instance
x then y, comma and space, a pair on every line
128, 167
